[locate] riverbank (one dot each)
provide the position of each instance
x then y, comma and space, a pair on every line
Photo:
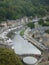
20, 45
24, 41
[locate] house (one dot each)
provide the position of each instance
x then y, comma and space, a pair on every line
3, 24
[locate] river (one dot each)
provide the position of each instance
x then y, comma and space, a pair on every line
22, 46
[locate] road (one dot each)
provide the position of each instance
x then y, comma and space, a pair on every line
39, 61
42, 28
37, 19
36, 43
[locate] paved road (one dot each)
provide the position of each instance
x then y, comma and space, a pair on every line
37, 19
42, 28
36, 43
39, 60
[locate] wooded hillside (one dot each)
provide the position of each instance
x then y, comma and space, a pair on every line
12, 9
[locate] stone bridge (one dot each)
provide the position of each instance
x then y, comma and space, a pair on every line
25, 55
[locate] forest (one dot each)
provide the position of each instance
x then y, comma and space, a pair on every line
13, 9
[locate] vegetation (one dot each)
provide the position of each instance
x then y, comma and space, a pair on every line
8, 57
31, 25
46, 24
22, 32
47, 19
12, 9
11, 34
47, 31
43, 23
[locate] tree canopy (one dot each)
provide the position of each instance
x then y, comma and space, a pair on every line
8, 57
31, 25
12, 9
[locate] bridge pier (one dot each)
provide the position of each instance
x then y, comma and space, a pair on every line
31, 55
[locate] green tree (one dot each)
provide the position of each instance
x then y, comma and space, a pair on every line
47, 19
8, 57
41, 21
47, 31
31, 25
13, 9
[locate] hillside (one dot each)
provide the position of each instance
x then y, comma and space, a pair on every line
8, 57
12, 9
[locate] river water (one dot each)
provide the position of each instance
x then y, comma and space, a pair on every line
22, 46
